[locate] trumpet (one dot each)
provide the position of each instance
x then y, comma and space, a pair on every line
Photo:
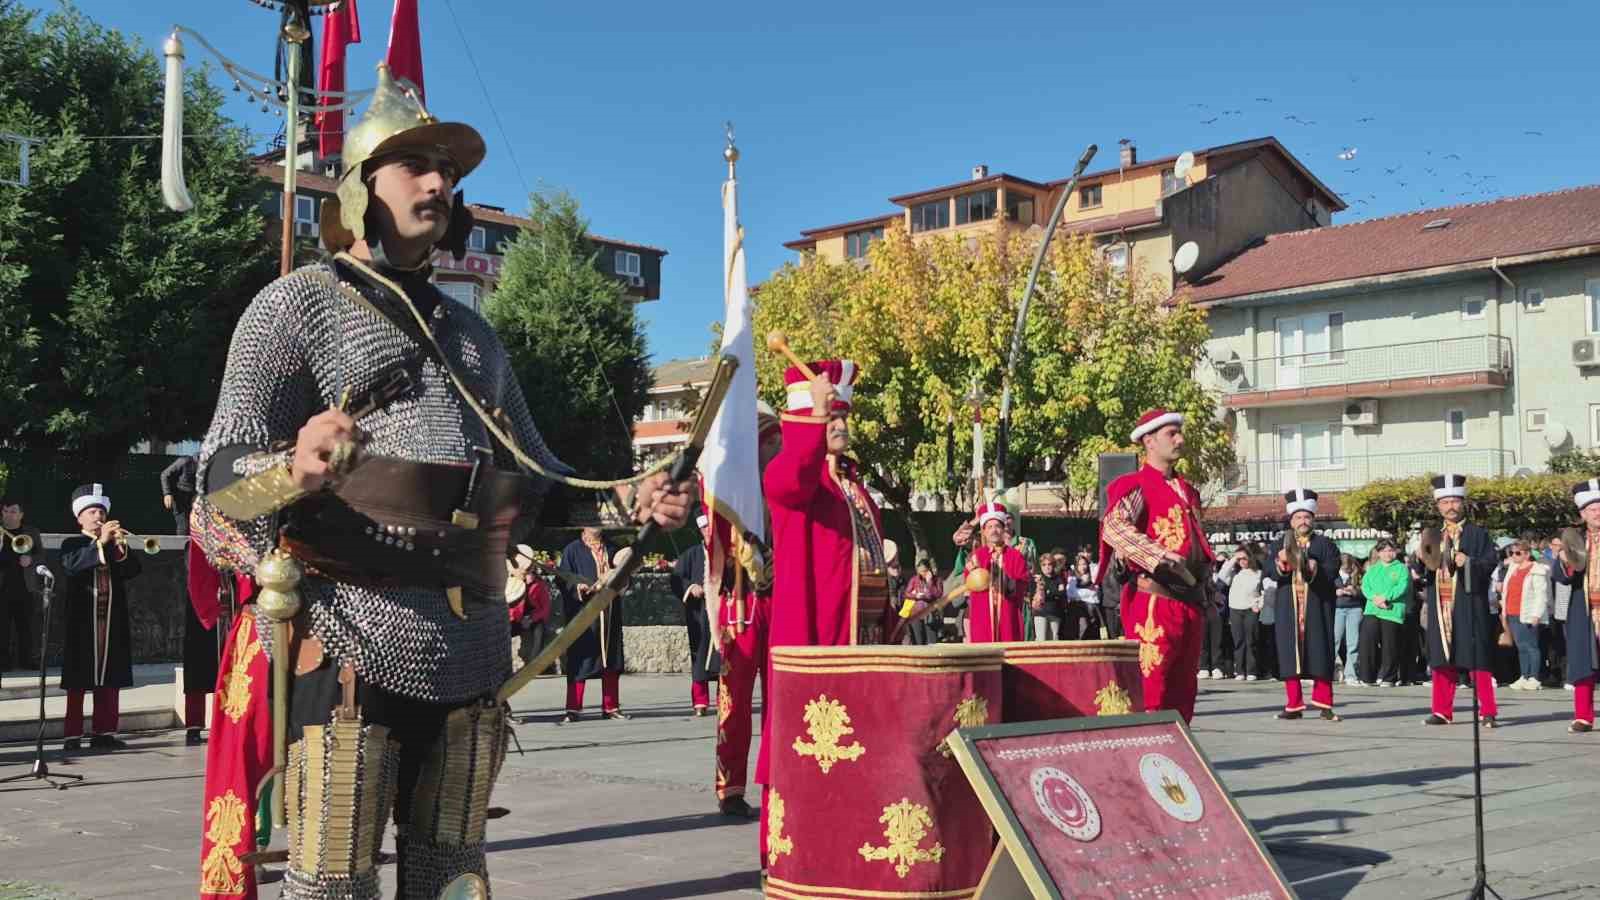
21, 544
150, 545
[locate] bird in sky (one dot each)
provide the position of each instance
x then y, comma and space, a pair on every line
1361, 201
1401, 183
1391, 171
1452, 156
1210, 121
1232, 112
1263, 99
1353, 171
1364, 119
1347, 154
1429, 171
1199, 106
1535, 133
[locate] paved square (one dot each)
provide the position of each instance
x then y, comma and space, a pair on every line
1376, 806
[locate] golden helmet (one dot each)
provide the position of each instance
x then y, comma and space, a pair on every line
395, 120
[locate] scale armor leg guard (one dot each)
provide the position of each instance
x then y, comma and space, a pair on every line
339, 789
450, 805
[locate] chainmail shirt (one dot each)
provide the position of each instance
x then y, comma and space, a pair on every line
298, 347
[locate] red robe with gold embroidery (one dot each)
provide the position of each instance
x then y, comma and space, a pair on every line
1169, 521
1010, 602
815, 538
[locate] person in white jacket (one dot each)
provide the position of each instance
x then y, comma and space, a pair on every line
1525, 610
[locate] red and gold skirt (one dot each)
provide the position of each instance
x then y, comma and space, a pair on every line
865, 799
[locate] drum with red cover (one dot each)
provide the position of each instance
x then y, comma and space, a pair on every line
1066, 679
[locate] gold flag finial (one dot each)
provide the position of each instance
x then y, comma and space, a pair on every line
730, 152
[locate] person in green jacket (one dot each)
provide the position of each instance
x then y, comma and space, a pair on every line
1387, 587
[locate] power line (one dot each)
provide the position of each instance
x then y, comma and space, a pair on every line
511, 149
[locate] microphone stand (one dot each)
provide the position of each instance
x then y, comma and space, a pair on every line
40, 770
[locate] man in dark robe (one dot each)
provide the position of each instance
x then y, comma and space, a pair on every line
688, 583
599, 650
1304, 600
1460, 633
95, 638
1579, 567
19, 588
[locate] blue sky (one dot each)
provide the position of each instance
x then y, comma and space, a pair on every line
839, 107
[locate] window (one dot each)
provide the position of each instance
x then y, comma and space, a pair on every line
305, 209
1311, 340
1314, 445
627, 262
1472, 308
1117, 257
1537, 419
477, 239
1171, 183
977, 206
1594, 425
1533, 300
1089, 197
857, 242
1019, 207
462, 292
930, 216
1591, 292
1455, 428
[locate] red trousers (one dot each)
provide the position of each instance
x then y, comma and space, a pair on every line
194, 709
610, 693
1170, 635
1321, 695
744, 660
1583, 700
1444, 692
700, 694
107, 705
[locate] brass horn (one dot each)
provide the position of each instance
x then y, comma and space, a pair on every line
150, 545
21, 544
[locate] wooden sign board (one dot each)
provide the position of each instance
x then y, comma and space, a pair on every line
1111, 806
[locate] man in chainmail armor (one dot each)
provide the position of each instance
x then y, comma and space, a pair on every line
394, 665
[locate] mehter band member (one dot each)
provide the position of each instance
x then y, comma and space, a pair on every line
1456, 591
996, 614
832, 586
1152, 528
1304, 600
744, 624
18, 587
689, 585
1579, 566
96, 655
385, 425
598, 653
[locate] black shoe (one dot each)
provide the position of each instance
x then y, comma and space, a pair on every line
700, 711
1290, 714
736, 807
1488, 722
615, 714
1435, 719
72, 745
107, 742
1329, 715
1579, 728
192, 738
567, 718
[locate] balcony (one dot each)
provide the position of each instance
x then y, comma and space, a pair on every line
1449, 365
1272, 476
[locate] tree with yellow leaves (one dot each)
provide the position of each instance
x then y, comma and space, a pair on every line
925, 319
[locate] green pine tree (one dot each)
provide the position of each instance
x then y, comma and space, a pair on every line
574, 339
115, 313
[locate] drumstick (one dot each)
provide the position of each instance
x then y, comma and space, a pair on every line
777, 342
977, 580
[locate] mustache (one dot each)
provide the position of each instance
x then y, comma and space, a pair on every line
441, 205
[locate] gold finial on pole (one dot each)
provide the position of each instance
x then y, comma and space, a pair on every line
730, 152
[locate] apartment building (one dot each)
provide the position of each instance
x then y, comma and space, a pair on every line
1139, 212
470, 279
1463, 339
675, 392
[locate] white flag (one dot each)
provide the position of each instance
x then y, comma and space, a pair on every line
729, 464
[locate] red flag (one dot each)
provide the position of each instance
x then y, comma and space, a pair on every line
339, 28
238, 754
405, 45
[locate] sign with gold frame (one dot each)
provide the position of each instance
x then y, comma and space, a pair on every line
1107, 806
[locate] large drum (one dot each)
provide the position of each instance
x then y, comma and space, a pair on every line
1066, 679
865, 800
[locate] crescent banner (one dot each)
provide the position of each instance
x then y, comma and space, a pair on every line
729, 466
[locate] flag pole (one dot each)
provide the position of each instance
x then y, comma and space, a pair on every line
295, 34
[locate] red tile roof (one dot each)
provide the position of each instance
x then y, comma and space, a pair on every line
1135, 218
1476, 233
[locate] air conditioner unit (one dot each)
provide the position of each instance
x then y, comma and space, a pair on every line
1586, 353
636, 281
1361, 413
306, 229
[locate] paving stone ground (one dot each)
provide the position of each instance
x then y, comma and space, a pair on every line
1374, 807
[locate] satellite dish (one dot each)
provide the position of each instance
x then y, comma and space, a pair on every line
1556, 435
1184, 259
1185, 164
1523, 472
